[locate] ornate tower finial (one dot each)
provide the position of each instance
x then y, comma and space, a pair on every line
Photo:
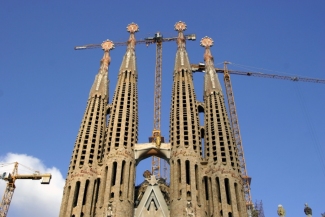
180, 26
206, 42
107, 45
132, 28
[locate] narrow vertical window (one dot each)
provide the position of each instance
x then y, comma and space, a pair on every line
237, 197
122, 172
76, 194
179, 170
196, 178
179, 177
97, 191
85, 193
188, 175
206, 188
218, 189
228, 191
114, 173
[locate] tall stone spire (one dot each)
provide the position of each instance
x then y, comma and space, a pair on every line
223, 184
100, 85
181, 61
118, 171
211, 81
82, 180
184, 136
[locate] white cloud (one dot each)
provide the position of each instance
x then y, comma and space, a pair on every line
30, 197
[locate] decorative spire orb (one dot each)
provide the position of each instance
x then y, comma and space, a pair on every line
107, 45
132, 28
180, 26
206, 42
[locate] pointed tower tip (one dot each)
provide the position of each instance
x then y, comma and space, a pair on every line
206, 42
180, 26
132, 28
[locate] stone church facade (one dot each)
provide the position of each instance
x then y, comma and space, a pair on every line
205, 179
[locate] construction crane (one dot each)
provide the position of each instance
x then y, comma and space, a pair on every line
156, 137
201, 68
234, 118
10, 188
156, 133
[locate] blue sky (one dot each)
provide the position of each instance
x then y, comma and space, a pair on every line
44, 83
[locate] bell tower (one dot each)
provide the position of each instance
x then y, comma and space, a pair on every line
223, 190
184, 136
118, 171
82, 181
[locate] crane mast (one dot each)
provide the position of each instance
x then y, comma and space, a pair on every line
156, 133
10, 188
7, 196
236, 132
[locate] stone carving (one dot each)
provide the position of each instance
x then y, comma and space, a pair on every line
281, 211
141, 191
308, 210
189, 211
164, 190
147, 174
109, 211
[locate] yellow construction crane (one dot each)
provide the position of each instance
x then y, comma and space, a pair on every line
10, 188
234, 118
156, 137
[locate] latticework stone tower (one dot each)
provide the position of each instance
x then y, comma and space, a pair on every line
79, 197
184, 135
223, 184
118, 173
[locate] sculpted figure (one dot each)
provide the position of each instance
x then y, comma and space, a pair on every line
158, 141
308, 210
281, 211
189, 210
109, 212
147, 174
